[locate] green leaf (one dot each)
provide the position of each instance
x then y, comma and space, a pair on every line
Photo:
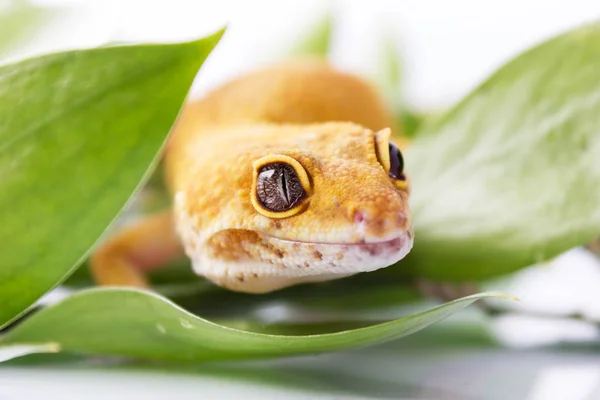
134, 323
388, 78
317, 41
386, 72
410, 121
510, 176
113, 105
360, 293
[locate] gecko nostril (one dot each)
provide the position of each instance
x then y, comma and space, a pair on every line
402, 221
359, 217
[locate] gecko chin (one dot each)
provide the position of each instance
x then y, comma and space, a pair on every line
261, 263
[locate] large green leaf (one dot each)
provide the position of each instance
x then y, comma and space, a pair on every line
78, 130
511, 175
360, 293
134, 323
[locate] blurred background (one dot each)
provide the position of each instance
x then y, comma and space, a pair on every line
445, 48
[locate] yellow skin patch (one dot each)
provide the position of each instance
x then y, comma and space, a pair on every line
333, 131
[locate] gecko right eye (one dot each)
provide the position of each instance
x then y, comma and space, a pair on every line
390, 157
396, 163
280, 187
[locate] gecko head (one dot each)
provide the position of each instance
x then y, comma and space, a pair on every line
310, 203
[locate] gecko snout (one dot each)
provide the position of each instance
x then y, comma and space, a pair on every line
373, 224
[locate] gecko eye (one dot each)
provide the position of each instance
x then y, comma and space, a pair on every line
390, 156
396, 163
280, 187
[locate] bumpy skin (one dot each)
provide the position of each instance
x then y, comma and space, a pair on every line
355, 218
332, 127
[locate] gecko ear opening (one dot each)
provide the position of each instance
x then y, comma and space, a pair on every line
280, 186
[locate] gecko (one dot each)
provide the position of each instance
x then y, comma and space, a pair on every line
289, 174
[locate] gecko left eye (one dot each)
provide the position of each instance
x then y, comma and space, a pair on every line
278, 187
396, 163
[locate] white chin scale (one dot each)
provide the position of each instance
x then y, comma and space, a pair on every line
300, 262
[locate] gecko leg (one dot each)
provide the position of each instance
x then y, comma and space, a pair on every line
123, 258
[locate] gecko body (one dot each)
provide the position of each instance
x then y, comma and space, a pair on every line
283, 176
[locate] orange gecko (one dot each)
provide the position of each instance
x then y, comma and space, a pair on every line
283, 176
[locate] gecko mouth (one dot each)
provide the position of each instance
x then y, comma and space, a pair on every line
343, 258
254, 262
406, 235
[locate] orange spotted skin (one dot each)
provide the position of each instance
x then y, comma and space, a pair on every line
336, 155
354, 218
291, 93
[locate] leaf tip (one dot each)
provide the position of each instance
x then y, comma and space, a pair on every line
19, 350
206, 44
51, 347
214, 38
500, 295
